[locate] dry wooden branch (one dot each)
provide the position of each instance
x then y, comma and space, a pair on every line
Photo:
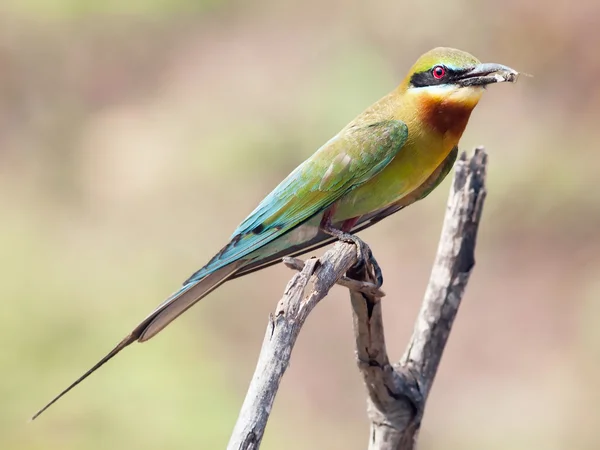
397, 393
282, 331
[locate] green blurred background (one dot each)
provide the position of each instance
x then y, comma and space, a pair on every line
135, 136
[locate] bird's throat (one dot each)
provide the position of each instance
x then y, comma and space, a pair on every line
448, 118
444, 110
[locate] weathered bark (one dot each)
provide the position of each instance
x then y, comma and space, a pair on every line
397, 393
282, 331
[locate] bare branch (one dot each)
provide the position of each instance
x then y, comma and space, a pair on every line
454, 262
397, 394
282, 331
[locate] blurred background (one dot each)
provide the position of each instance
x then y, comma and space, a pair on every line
135, 136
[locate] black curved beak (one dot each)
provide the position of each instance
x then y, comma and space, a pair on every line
488, 73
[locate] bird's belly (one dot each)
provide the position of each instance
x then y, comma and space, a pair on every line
409, 169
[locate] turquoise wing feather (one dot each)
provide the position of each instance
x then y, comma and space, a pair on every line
346, 161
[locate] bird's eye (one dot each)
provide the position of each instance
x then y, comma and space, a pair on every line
438, 72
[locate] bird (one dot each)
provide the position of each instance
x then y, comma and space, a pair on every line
391, 155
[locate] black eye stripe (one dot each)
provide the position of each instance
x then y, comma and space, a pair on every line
426, 78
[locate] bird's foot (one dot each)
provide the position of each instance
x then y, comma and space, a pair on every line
363, 253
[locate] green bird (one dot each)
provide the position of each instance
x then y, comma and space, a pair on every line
393, 154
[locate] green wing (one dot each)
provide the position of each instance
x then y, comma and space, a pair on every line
348, 160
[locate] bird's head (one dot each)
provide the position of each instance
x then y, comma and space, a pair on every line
445, 85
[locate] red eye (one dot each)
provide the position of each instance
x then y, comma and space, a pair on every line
438, 72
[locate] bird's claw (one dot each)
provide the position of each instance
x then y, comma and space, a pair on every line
364, 255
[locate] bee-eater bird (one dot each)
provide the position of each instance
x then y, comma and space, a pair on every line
393, 154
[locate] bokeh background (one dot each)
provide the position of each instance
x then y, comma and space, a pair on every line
135, 136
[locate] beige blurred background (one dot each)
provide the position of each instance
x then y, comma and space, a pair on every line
135, 136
